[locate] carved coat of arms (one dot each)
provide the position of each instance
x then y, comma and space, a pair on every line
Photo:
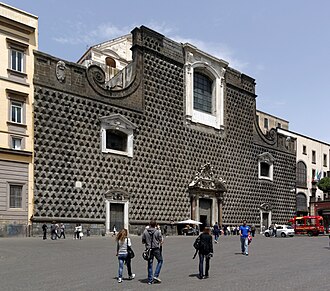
60, 71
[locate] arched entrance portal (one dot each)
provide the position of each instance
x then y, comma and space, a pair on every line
206, 197
116, 205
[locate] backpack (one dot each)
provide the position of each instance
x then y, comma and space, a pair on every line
197, 243
196, 246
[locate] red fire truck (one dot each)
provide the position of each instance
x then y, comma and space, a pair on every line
310, 225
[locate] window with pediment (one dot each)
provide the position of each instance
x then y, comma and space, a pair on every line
265, 166
117, 135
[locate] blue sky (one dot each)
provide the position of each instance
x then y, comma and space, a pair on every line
284, 45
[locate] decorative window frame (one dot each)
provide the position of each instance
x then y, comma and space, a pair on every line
23, 196
268, 159
119, 123
17, 104
17, 46
13, 144
197, 60
19, 97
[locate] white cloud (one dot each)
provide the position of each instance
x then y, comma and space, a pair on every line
81, 34
218, 50
84, 35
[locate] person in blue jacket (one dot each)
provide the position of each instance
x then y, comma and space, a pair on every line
244, 232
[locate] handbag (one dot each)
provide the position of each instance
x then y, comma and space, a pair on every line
130, 252
146, 254
249, 239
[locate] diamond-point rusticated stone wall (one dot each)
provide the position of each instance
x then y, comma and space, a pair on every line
168, 151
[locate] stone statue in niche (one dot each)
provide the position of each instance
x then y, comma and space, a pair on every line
60, 71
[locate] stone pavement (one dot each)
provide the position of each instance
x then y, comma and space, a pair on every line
299, 263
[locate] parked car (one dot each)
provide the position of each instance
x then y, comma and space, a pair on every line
281, 230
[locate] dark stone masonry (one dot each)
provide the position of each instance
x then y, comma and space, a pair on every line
74, 179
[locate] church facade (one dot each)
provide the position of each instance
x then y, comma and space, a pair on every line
178, 139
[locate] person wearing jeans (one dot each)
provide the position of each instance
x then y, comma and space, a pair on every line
216, 231
244, 232
122, 243
205, 252
152, 238
155, 253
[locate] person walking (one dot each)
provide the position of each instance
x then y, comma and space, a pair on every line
253, 229
165, 230
123, 243
75, 233
53, 234
153, 240
62, 230
244, 232
44, 229
275, 230
271, 229
216, 231
205, 252
80, 233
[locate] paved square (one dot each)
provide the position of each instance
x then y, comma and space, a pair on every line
299, 263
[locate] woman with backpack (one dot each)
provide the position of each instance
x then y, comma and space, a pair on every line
123, 246
205, 252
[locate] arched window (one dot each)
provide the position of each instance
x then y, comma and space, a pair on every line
202, 92
301, 202
204, 89
109, 61
301, 178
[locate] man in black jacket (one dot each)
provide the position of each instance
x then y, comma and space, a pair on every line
205, 252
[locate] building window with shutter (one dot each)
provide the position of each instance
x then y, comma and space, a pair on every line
15, 196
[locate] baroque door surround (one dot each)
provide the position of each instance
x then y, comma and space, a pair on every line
117, 196
204, 185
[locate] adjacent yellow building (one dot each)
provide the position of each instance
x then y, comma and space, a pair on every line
18, 39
